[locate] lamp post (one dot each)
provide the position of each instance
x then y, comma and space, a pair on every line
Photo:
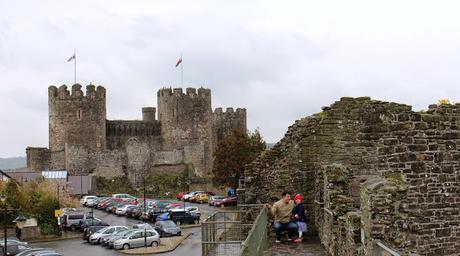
3, 199
145, 228
20, 219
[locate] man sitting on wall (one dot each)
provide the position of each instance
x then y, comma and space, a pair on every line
282, 212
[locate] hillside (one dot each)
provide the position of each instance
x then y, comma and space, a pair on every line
12, 163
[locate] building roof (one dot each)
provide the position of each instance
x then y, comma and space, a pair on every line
55, 174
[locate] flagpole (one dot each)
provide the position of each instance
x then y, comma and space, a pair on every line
75, 67
182, 71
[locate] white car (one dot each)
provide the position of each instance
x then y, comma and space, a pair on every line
187, 196
97, 237
122, 210
85, 199
90, 202
124, 197
137, 239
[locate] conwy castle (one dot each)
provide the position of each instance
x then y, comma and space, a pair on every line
182, 138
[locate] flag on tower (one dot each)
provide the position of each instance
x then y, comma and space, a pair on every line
179, 61
71, 58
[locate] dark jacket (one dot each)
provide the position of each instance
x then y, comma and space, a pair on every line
300, 210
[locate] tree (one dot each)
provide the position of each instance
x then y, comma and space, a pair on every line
233, 153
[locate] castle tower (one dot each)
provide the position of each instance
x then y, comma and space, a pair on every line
226, 122
76, 120
186, 121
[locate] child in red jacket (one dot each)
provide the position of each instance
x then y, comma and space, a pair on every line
298, 214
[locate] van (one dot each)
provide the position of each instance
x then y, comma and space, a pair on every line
72, 220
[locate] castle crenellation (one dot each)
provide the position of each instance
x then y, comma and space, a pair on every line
181, 132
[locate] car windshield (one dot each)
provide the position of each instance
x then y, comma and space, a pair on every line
127, 233
102, 230
168, 224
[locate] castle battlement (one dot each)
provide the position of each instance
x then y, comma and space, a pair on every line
62, 93
82, 140
190, 92
230, 111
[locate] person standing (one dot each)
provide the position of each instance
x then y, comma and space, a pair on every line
18, 232
282, 212
298, 214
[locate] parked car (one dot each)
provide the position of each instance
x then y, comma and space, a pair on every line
13, 247
233, 200
162, 204
104, 203
123, 210
72, 220
96, 238
213, 199
180, 195
90, 222
92, 202
153, 213
187, 196
179, 217
192, 209
110, 240
85, 199
124, 197
167, 228
192, 198
130, 211
90, 230
13, 239
201, 198
136, 239
143, 226
39, 252
174, 205
112, 206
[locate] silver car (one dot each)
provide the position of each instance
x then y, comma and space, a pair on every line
136, 239
97, 237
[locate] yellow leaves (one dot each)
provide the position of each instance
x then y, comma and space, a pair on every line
443, 102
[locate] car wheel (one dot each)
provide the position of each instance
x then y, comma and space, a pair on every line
73, 228
154, 244
125, 246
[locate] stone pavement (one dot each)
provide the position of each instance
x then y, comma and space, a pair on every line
309, 247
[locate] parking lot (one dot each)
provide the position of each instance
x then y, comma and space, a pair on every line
190, 246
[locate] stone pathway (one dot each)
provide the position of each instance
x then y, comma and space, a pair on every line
309, 247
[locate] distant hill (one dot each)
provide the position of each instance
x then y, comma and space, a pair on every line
12, 163
269, 145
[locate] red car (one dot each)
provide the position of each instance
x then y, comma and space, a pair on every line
180, 195
232, 200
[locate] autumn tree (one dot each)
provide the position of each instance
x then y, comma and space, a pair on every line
233, 153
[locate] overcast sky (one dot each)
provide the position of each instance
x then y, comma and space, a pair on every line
281, 60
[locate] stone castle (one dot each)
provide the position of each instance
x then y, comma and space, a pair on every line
376, 177
183, 137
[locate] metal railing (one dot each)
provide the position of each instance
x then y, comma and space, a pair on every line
224, 231
256, 240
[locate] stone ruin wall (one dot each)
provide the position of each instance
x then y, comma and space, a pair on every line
370, 171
